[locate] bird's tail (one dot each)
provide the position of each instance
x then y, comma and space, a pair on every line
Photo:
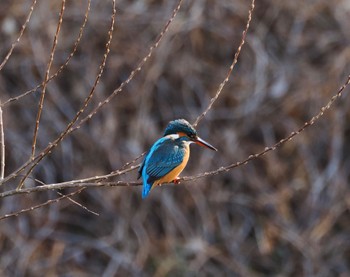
145, 190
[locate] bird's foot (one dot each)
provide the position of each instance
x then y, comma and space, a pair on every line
177, 180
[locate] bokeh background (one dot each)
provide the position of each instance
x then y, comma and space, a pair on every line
285, 214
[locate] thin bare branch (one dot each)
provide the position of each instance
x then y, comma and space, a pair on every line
234, 62
35, 161
80, 205
19, 36
65, 64
131, 162
70, 199
47, 74
48, 202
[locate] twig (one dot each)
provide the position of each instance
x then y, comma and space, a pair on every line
19, 36
47, 74
35, 161
48, 202
80, 205
2, 146
234, 62
131, 162
70, 199
76, 43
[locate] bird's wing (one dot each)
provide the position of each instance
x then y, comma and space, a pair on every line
163, 157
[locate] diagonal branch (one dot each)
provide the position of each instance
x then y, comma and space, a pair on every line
47, 74
234, 62
77, 203
19, 36
48, 202
70, 56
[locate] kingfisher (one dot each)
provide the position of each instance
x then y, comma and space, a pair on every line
169, 155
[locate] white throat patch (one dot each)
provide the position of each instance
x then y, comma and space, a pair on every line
173, 136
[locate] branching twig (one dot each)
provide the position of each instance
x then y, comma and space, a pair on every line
78, 204
48, 202
70, 199
19, 36
234, 62
34, 162
47, 74
76, 43
131, 162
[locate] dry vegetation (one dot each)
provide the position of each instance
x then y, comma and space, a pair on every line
283, 214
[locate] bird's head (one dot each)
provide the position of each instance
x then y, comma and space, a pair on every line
182, 128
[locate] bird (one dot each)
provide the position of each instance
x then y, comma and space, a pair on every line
169, 155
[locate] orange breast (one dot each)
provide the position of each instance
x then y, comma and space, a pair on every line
172, 175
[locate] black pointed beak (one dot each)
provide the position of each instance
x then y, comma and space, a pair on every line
202, 142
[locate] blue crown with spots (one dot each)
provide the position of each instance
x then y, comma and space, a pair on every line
178, 126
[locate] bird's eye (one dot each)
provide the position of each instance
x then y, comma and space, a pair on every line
192, 136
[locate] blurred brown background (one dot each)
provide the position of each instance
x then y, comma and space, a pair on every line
286, 214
